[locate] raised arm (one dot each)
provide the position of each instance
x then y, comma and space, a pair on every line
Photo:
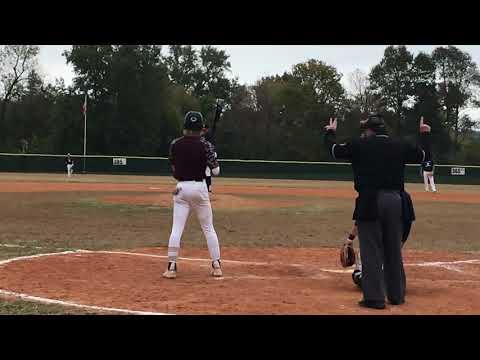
421, 152
337, 151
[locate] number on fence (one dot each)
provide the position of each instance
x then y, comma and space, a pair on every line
458, 171
120, 161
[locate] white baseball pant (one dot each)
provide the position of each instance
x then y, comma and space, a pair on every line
428, 177
69, 169
192, 194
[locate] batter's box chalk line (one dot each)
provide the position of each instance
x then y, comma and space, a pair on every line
42, 300
447, 265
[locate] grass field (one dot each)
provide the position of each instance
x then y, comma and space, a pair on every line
45, 213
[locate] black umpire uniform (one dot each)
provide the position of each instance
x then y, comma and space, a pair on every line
378, 163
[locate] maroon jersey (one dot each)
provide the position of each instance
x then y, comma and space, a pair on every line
189, 156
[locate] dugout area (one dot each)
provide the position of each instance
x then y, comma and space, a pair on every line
97, 243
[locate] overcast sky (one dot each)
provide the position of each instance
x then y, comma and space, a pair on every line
251, 62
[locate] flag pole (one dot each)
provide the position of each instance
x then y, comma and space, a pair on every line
85, 132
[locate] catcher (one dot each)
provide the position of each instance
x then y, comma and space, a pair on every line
348, 257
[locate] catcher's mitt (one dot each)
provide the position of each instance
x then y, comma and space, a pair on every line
347, 254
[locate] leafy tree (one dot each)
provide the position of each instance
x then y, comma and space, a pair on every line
129, 92
202, 73
392, 78
323, 80
458, 76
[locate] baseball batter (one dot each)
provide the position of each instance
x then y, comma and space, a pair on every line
69, 164
189, 156
427, 170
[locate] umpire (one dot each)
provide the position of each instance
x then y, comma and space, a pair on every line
378, 163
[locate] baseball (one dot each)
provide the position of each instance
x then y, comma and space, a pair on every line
444, 107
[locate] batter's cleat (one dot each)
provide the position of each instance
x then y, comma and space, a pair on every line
171, 272
216, 269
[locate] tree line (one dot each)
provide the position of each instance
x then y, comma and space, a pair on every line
138, 95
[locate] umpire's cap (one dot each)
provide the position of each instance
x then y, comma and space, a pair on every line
193, 121
375, 123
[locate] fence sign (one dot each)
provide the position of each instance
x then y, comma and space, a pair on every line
120, 161
458, 171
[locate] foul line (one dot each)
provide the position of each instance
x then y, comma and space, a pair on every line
28, 257
72, 304
440, 263
449, 265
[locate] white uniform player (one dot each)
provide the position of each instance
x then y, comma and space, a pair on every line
428, 169
189, 156
69, 164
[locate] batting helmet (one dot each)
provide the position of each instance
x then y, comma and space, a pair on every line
193, 121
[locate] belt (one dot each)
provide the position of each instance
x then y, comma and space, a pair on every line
196, 180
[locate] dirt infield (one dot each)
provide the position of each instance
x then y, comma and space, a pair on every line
256, 281
275, 262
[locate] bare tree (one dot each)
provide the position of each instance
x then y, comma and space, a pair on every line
16, 61
360, 90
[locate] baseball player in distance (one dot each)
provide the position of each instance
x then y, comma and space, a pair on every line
189, 156
69, 164
427, 171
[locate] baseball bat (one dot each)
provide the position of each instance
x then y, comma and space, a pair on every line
218, 113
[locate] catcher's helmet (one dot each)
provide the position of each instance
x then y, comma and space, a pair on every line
357, 278
193, 121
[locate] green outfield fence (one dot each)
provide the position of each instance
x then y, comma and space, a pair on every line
113, 164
